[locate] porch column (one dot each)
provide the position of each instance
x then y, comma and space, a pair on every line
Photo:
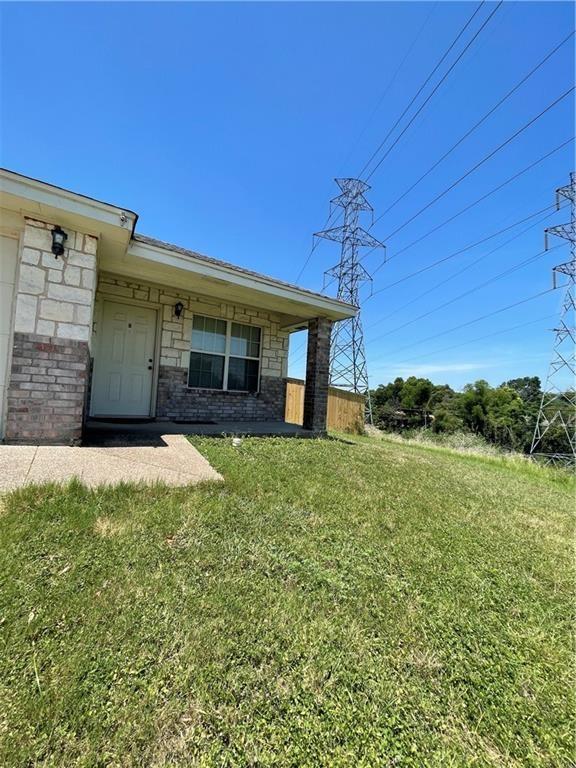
317, 374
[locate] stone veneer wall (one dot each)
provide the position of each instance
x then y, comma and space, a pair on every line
55, 296
52, 327
175, 400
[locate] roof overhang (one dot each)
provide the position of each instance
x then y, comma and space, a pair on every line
36, 199
121, 252
157, 263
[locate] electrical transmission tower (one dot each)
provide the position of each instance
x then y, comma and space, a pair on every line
348, 369
554, 438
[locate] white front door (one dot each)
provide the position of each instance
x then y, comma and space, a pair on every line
124, 362
8, 259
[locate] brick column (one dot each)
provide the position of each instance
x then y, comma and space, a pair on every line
317, 374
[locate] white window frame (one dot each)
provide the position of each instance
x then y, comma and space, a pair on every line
227, 355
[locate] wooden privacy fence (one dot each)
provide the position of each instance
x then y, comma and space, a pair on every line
345, 409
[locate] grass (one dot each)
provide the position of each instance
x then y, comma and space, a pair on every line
467, 442
359, 603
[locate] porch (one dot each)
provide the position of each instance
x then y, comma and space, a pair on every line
99, 431
114, 325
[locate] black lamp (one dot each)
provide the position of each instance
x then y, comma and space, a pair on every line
178, 308
59, 237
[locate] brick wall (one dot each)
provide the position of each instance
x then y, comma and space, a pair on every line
178, 401
47, 390
54, 300
317, 374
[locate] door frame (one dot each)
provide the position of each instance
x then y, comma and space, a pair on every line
109, 298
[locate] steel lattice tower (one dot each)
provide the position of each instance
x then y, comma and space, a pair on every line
348, 369
557, 414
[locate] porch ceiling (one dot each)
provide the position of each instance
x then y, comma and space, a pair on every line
156, 262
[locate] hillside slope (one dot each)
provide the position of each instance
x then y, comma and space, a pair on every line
334, 603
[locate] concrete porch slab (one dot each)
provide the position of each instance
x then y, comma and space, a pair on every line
169, 459
96, 429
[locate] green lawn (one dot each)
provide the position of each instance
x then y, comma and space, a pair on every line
331, 604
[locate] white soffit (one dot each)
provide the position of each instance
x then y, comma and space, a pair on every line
163, 265
36, 199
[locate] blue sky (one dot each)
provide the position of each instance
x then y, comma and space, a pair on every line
223, 126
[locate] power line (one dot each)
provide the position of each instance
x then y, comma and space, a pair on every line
499, 276
298, 350
477, 124
476, 261
421, 107
481, 162
327, 222
315, 244
424, 84
469, 246
467, 208
476, 320
391, 81
479, 338
557, 410
451, 256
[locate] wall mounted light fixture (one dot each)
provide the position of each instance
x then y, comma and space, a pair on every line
59, 237
178, 308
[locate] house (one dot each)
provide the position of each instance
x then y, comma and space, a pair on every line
99, 321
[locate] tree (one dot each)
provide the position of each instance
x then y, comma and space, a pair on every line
473, 406
527, 387
504, 415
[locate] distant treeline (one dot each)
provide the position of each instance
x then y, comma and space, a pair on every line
504, 415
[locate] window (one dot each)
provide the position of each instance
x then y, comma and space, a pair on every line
224, 355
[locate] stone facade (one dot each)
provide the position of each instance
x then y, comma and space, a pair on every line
175, 400
54, 299
55, 296
317, 374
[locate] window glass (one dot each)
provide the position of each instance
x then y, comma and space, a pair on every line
243, 374
245, 340
206, 371
208, 334
209, 355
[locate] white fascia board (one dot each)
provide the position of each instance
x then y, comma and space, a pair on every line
324, 305
38, 193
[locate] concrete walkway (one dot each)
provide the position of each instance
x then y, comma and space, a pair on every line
170, 459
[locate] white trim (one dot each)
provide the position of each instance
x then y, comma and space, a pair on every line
41, 193
324, 305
